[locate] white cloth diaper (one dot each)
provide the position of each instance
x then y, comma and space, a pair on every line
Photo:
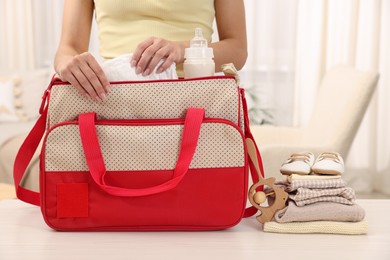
119, 69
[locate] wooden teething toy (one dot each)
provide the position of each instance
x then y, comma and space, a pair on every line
257, 198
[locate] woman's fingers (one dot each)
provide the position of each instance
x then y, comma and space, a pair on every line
139, 54
72, 80
166, 64
92, 83
97, 71
91, 76
84, 73
150, 52
146, 57
86, 84
166, 55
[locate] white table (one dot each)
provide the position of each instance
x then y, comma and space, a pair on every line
24, 235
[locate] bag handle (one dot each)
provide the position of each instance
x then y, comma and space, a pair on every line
97, 169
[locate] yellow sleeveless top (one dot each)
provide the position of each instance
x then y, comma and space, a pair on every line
123, 24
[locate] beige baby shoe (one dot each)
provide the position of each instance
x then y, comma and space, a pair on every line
329, 163
298, 163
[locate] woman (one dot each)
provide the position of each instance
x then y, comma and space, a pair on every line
150, 29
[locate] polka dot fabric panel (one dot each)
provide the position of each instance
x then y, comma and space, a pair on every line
150, 100
141, 147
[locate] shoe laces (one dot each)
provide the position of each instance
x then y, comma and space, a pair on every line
330, 156
305, 157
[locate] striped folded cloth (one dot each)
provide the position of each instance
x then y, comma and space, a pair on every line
305, 196
292, 184
314, 184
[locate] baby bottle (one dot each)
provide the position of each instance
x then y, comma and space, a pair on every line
198, 58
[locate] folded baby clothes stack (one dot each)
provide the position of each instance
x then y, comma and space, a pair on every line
318, 204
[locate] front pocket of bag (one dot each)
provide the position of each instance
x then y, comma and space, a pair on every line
139, 154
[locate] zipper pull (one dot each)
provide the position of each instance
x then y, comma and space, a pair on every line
43, 102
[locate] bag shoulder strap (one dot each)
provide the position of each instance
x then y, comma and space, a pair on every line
254, 157
27, 151
23, 159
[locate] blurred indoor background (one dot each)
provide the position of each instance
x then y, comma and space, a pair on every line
291, 45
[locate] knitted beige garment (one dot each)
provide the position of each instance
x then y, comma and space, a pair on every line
320, 211
323, 227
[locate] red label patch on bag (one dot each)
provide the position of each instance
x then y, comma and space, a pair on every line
72, 200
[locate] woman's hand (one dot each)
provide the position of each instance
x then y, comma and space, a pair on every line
149, 53
85, 73
72, 62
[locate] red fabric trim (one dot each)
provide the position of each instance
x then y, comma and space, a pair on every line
238, 109
151, 122
60, 82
